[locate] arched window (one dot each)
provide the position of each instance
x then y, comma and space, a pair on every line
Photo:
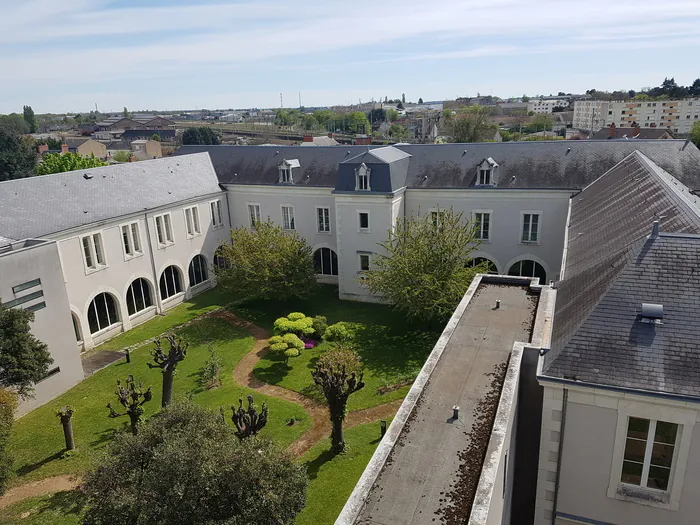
198, 270
76, 328
528, 269
476, 261
170, 282
138, 296
326, 261
220, 261
102, 312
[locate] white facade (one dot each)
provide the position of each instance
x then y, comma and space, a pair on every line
547, 105
590, 115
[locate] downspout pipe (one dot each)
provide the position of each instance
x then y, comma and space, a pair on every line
560, 452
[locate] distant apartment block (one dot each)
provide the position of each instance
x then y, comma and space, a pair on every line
547, 105
675, 115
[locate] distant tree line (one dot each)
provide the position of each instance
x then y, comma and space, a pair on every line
668, 90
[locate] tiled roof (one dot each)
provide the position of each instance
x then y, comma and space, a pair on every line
636, 133
609, 224
40, 206
569, 164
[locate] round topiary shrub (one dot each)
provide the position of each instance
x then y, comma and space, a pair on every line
339, 333
320, 324
295, 323
295, 316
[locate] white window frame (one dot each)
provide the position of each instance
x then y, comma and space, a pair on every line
193, 226
685, 419
167, 226
488, 172
362, 173
480, 232
286, 174
360, 255
93, 248
328, 230
522, 224
133, 238
217, 218
258, 213
435, 214
292, 222
360, 229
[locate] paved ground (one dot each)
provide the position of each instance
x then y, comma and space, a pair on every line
426, 469
99, 360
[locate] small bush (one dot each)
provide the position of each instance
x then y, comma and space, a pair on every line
289, 344
320, 324
339, 333
293, 341
212, 369
294, 324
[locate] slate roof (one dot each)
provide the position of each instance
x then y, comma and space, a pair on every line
164, 134
562, 164
40, 206
614, 347
609, 224
388, 170
75, 143
621, 133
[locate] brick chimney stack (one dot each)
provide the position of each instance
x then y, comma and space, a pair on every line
308, 138
64, 149
612, 130
43, 148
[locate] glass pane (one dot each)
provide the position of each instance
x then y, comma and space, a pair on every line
99, 256
92, 318
334, 263
163, 286
188, 218
176, 279
638, 428
539, 272
317, 261
631, 473
159, 229
86, 249
326, 260
135, 237
515, 269
111, 309
527, 269
195, 219
130, 303
666, 432
364, 220
662, 455
125, 237
658, 477
635, 449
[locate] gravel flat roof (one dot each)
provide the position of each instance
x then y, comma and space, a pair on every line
433, 471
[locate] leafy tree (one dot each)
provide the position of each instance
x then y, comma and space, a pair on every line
403, 98
356, 122
248, 422
14, 122
122, 156
694, 89
525, 98
58, 163
283, 118
156, 137
339, 374
8, 403
399, 132
392, 115
212, 369
340, 333
472, 124
288, 344
295, 323
167, 362
52, 143
29, 118
377, 115
24, 360
323, 116
420, 100
17, 155
200, 135
266, 263
131, 397
308, 122
187, 466
125, 112
399, 105
427, 265
695, 134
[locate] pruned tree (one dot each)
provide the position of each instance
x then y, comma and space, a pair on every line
248, 421
266, 262
426, 265
695, 134
132, 398
66, 415
472, 124
24, 360
186, 466
339, 374
167, 362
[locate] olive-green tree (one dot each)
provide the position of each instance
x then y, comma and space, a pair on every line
472, 124
60, 162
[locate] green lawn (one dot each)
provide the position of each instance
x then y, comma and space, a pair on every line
37, 438
332, 477
331, 480
392, 349
201, 304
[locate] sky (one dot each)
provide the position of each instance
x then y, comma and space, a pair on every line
68, 55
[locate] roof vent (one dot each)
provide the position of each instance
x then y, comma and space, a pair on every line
652, 313
87, 176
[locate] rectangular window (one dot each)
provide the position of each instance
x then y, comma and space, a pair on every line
323, 216
216, 218
131, 240
93, 251
484, 177
164, 229
253, 214
286, 175
192, 221
531, 225
649, 453
436, 217
482, 225
288, 218
364, 262
363, 181
363, 221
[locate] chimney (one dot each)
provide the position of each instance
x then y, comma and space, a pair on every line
43, 148
654, 230
330, 135
64, 149
637, 128
362, 140
308, 138
612, 130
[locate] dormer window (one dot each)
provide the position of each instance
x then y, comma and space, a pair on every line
486, 172
362, 178
286, 170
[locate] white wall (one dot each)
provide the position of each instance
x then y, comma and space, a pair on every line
52, 324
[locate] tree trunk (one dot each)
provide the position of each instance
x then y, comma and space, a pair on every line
135, 418
68, 434
167, 387
337, 438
